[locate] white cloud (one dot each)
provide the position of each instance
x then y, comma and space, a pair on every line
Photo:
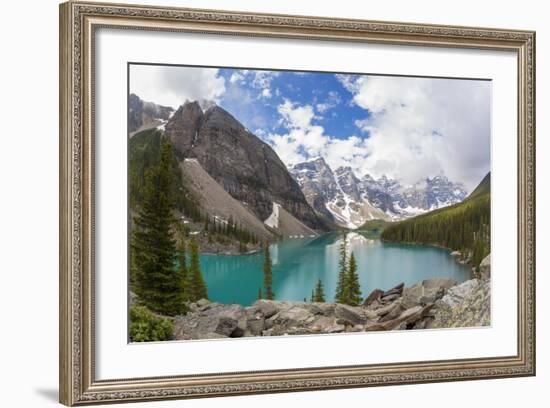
236, 77
172, 86
266, 93
331, 102
421, 127
306, 139
263, 79
413, 128
294, 116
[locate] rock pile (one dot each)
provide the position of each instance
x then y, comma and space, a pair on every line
434, 303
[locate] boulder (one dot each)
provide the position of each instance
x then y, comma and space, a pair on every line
456, 294
405, 319
456, 254
394, 313
422, 295
412, 295
386, 309
349, 315
465, 305
210, 320
390, 298
374, 295
256, 326
397, 290
444, 283
293, 316
324, 324
265, 308
485, 268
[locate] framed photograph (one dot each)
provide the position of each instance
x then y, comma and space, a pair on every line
256, 203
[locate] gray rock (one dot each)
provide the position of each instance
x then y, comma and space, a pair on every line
350, 315
465, 305
256, 326
265, 308
210, 318
408, 317
389, 298
456, 294
393, 313
485, 268
422, 295
444, 283
386, 309
397, 290
292, 316
374, 296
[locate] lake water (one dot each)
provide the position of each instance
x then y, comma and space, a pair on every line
298, 263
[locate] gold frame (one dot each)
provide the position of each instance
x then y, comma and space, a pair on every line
78, 21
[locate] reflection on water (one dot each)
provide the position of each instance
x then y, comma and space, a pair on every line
298, 263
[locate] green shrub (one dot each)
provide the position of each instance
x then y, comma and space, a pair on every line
146, 326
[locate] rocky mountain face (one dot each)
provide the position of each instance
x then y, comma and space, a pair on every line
143, 115
350, 201
246, 167
338, 195
318, 184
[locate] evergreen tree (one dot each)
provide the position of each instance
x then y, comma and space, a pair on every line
260, 293
352, 288
318, 294
183, 272
156, 279
268, 277
196, 285
342, 272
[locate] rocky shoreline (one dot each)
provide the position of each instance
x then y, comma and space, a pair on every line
434, 303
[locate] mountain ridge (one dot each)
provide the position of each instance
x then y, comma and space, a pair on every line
351, 201
244, 165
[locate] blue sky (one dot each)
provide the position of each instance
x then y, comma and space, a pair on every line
408, 128
323, 91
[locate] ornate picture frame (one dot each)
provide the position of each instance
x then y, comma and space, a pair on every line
78, 24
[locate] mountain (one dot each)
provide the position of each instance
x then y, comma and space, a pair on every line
338, 195
483, 188
464, 226
318, 184
286, 224
145, 115
351, 201
246, 167
216, 202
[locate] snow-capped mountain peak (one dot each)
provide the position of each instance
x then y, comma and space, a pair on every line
341, 196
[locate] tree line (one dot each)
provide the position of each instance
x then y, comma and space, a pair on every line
160, 275
464, 227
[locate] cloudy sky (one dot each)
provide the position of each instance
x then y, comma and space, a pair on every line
406, 128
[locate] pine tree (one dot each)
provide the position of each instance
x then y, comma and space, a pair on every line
268, 277
183, 272
352, 288
197, 286
318, 294
156, 279
342, 272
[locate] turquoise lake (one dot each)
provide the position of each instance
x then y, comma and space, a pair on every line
298, 263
